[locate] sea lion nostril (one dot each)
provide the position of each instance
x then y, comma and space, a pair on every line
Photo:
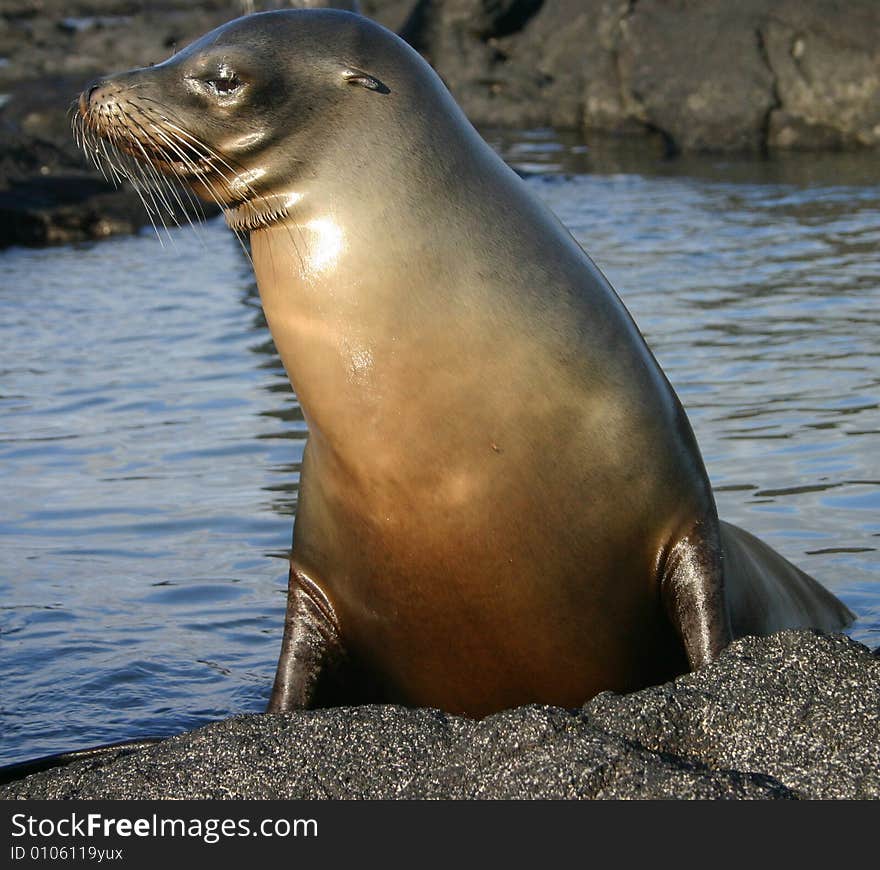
91, 88
85, 98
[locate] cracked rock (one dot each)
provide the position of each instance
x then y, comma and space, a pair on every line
707, 75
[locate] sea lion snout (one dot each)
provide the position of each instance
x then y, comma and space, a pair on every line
94, 95
101, 94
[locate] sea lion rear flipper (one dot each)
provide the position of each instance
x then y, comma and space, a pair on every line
766, 593
692, 590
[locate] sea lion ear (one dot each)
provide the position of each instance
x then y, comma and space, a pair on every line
365, 80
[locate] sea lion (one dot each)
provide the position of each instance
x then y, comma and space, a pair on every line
501, 500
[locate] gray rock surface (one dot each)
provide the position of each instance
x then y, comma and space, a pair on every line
705, 74
795, 715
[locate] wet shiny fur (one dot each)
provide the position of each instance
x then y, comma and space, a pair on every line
502, 500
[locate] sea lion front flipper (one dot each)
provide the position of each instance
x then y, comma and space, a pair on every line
692, 590
311, 649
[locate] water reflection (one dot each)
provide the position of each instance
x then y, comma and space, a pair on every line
150, 444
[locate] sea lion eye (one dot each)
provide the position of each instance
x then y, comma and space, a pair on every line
224, 83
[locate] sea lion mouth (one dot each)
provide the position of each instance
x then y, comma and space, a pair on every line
133, 139
190, 165
111, 131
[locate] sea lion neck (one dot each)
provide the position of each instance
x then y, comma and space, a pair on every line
345, 321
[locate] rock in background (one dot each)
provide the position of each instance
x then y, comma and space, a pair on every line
705, 74
795, 715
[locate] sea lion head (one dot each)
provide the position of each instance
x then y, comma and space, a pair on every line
242, 115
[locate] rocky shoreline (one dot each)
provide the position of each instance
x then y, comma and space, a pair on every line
792, 716
701, 75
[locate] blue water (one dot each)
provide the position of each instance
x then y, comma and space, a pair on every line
150, 443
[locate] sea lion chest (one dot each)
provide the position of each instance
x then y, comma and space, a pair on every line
459, 483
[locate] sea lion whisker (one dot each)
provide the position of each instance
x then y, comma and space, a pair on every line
162, 113
186, 142
74, 126
198, 151
107, 158
100, 136
200, 174
146, 166
189, 164
190, 161
164, 190
213, 153
190, 208
123, 168
75, 120
191, 200
138, 185
102, 149
172, 140
201, 150
90, 147
79, 127
156, 197
159, 180
193, 203
141, 164
206, 182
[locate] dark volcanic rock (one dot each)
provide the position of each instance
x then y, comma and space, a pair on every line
389, 13
698, 72
826, 60
63, 209
51, 50
796, 715
559, 54
47, 197
706, 74
797, 706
